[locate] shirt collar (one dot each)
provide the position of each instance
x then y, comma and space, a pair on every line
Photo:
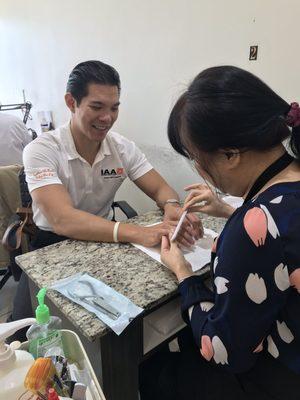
104, 150
67, 139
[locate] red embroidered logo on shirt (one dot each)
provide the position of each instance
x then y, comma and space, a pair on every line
112, 173
40, 173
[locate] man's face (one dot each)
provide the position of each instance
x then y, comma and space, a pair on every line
97, 111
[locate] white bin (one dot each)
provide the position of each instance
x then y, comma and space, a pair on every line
74, 352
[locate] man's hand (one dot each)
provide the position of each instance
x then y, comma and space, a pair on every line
192, 228
202, 199
150, 236
172, 257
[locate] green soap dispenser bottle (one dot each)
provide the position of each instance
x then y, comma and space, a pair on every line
45, 336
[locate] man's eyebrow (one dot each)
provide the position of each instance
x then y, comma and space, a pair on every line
100, 103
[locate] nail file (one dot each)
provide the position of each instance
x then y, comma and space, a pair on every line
174, 236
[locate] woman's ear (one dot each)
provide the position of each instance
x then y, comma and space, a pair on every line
233, 158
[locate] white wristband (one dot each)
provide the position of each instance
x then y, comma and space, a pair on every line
115, 232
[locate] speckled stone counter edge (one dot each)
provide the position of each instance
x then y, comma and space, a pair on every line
122, 266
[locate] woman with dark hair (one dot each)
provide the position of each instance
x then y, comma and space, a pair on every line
247, 328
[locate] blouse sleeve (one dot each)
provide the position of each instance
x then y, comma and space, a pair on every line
251, 284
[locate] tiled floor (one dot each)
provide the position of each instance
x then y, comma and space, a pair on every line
7, 294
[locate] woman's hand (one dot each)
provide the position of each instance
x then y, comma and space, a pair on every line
191, 229
172, 257
210, 203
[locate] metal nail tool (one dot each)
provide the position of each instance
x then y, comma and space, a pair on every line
94, 299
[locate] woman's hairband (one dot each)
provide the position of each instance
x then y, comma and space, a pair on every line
293, 116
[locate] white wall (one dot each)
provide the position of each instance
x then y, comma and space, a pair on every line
156, 45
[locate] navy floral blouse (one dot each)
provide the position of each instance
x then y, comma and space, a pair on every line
255, 302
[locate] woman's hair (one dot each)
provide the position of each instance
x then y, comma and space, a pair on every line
228, 107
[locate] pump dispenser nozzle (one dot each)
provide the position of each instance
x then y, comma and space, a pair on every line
42, 313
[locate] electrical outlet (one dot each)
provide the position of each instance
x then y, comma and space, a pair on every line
253, 53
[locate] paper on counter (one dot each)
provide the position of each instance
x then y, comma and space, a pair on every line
198, 256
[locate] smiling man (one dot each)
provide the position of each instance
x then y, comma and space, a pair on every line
73, 172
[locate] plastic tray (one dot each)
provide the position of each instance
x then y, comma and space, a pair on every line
74, 351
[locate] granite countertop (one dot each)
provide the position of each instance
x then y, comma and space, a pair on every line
121, 266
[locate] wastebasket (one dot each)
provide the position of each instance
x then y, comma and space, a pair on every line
74, 352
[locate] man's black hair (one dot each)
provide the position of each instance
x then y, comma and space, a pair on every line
91, 72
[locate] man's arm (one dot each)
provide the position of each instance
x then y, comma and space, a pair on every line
56, 204
154, 185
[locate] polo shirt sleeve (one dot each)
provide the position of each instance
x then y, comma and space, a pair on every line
40, 164
135, 162
139, 165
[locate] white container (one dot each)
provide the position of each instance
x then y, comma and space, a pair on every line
74, 351
14, 364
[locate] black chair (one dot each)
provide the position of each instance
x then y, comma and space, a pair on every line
124, 207
12, 269
25, 195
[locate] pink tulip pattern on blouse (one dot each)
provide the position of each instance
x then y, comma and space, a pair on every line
255, 303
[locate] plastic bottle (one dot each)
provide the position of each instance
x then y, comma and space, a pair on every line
14, 364
52, 395
45, 335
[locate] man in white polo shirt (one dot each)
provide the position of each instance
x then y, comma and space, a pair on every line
74, 172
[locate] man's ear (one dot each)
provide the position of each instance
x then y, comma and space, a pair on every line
233, 157
70, 102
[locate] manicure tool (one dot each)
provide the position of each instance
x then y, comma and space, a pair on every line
95, 300
178, 227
